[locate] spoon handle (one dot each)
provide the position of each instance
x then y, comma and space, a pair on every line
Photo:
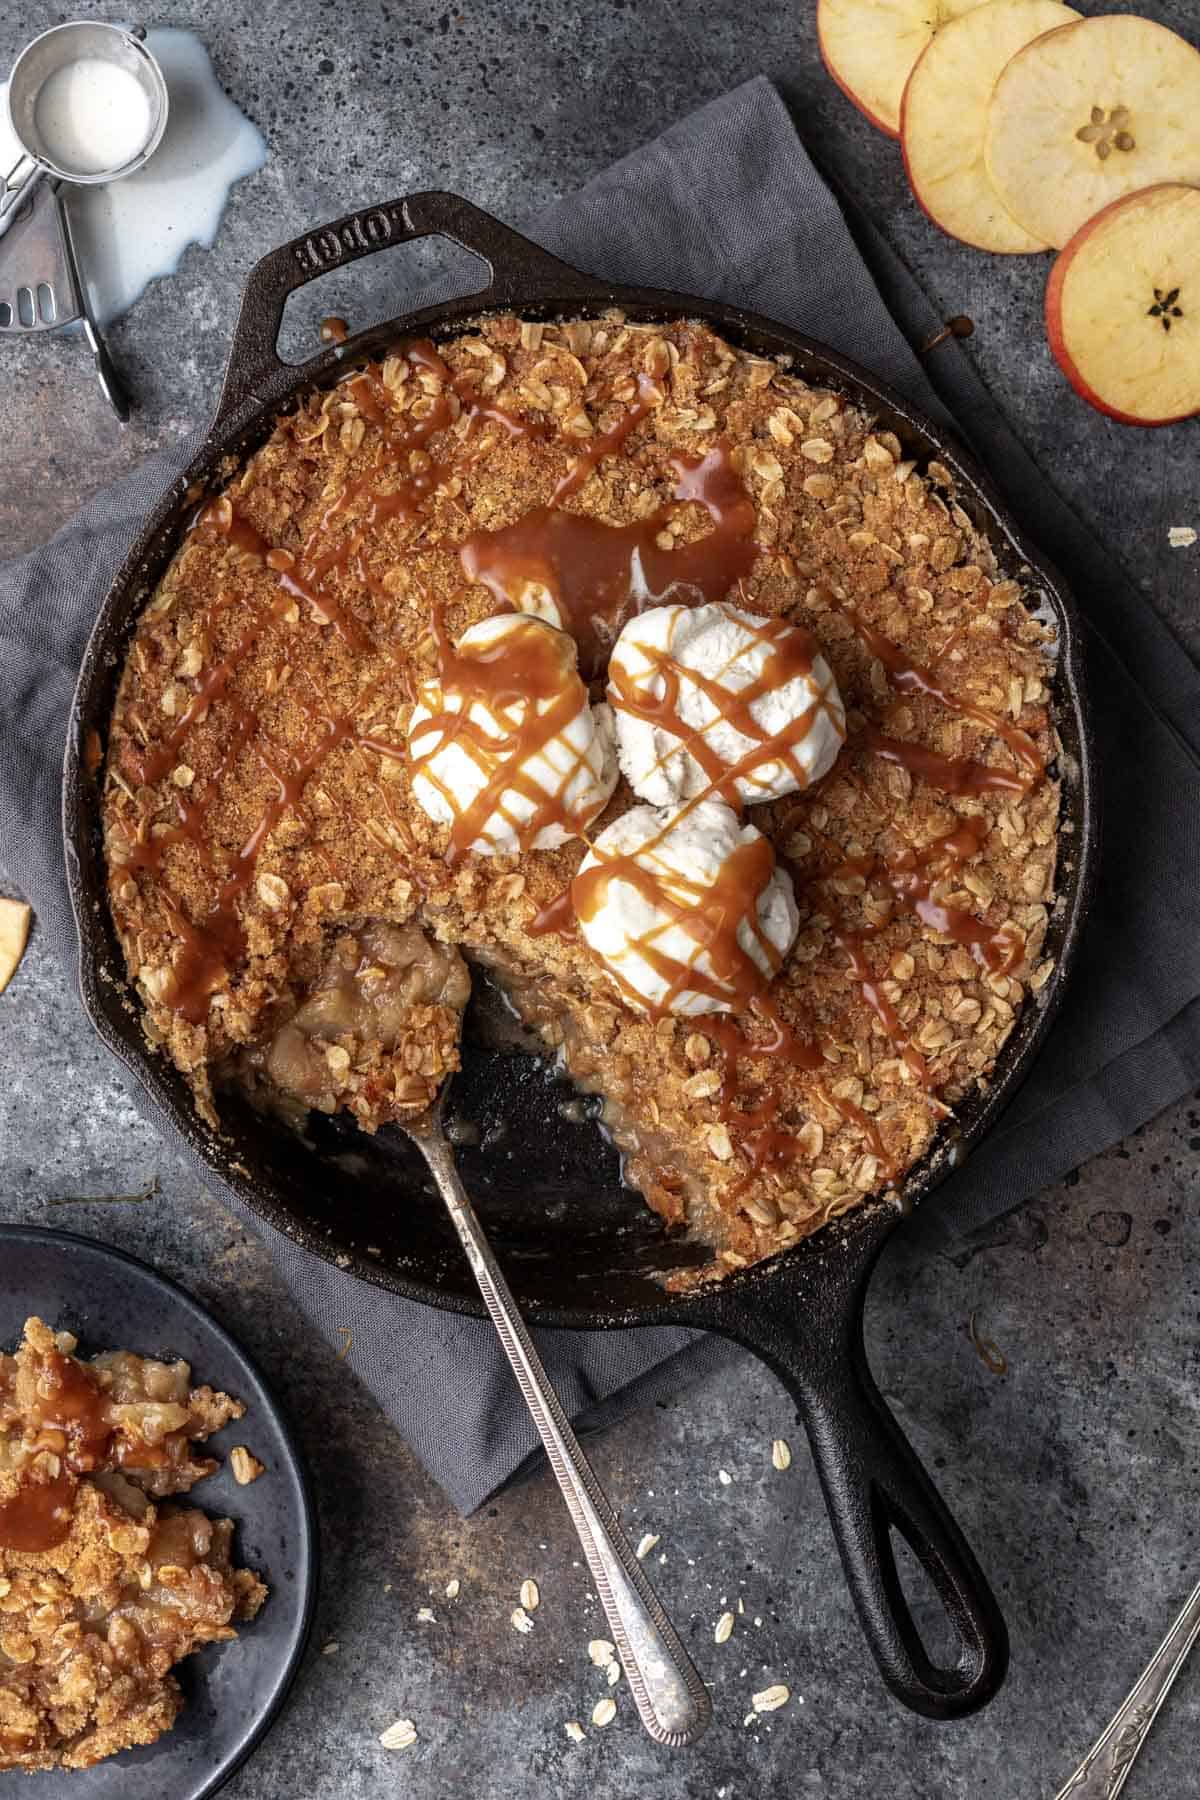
670, 1696
1101, 1774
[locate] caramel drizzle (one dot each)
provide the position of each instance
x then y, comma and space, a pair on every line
600, 575
710, 915
297, 581
952, 775
150, 765
910, 878
191, 807
792, 653
555, 919
531, 671
760, 1141
210, 947
74, 1423
910, 678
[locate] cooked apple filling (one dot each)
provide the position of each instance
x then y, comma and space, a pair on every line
375, 1033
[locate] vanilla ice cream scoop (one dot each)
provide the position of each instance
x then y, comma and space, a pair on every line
686, 910
714, 700
505, 747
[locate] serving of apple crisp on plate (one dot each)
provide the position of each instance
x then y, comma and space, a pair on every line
103, 1587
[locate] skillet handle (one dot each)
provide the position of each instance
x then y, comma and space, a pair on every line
873, 1481
517, 268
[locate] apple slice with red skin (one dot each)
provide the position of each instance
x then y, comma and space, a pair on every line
1089, 112
1123, 307
869, 47
943, 120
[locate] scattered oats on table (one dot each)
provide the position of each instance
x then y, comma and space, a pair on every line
646, 1545
521, 1620
399, 1736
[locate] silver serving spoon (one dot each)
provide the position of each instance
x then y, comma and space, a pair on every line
671, 1699
1101, 1774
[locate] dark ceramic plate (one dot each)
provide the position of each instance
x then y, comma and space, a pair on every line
231, 1691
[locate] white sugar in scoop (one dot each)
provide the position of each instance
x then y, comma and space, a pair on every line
92, 116
86, 103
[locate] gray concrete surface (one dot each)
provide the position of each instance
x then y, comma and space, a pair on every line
1075, 1473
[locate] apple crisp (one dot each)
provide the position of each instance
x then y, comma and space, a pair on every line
272, 874
102, 1590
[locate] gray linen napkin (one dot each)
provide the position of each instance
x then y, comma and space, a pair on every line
726, 204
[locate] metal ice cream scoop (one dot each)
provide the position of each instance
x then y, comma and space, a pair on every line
87, 103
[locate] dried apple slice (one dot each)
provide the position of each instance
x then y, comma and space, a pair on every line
943, 119
14, 935
870, 46
1123, 307
1090, 112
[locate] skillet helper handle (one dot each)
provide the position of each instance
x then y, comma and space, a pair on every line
874, 1483
671, 1699
517, 268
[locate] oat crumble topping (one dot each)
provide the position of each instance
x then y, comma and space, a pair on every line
263, 841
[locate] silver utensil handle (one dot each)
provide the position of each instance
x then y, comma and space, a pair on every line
1101, 1774
670, 1696
110, 382
16, 187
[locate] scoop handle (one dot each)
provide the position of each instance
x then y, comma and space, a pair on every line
670, 1696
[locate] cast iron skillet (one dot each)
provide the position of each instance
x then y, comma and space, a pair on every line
580, 1251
